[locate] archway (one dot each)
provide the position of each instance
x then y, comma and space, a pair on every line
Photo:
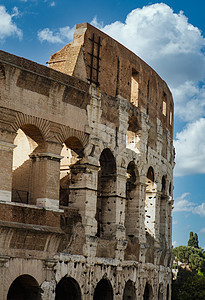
129, 291
132, 200
24, 287
150, 202
72, 153
148, 294
163, 212
106, 192
103, 290
68, 289
28, 139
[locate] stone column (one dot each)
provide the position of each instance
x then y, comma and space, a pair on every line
45, 179
4, 263
6, 158
49, 285
83, 194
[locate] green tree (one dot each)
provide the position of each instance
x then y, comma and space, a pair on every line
188, 286
193, 240
190, 281
193, 257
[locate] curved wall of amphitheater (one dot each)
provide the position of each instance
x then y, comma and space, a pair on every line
87, 157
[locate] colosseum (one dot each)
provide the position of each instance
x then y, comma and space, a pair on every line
87, 157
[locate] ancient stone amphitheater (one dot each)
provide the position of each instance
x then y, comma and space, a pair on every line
86, 155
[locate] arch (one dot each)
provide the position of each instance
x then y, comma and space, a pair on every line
150, 175
66, 132
75, 145
72, 152
150, 202
132, 199
26, 121
129, 291
163, 226
24, 287
68, 288
163, 184
27, 140
148, 293
33, 132
133, 136
103, 290
106, 192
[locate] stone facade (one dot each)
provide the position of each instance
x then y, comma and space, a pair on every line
87, 157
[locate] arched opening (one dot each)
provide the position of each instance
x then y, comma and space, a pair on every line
103, 290
129, 291
132, 200
148, 294
68, 288
24, 287
150, 202
106, 194
27, 141
163, 184
72, 153
133, 137
160, 292
163, 212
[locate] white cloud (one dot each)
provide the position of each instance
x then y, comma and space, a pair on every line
166, 41
172, 46
183, 204
190, 149
200, 210
7, 26
62, 35
52, 4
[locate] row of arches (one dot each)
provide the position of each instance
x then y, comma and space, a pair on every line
28, 164
25, 287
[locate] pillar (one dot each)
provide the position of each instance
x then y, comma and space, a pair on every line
45, 179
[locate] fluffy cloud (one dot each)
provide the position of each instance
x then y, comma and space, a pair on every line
172, 46
62, 35
166, 41
7, 26
190, 148
183, 204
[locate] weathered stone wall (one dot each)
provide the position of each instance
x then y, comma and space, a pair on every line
98, 220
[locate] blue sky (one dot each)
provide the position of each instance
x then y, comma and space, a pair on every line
170, 36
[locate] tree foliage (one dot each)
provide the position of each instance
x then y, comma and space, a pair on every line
190, 282
193, 257
188, 286
193, 240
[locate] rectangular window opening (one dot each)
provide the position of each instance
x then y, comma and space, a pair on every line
164, 106
135, 88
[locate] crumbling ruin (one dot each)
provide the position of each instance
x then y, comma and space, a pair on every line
86, 154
